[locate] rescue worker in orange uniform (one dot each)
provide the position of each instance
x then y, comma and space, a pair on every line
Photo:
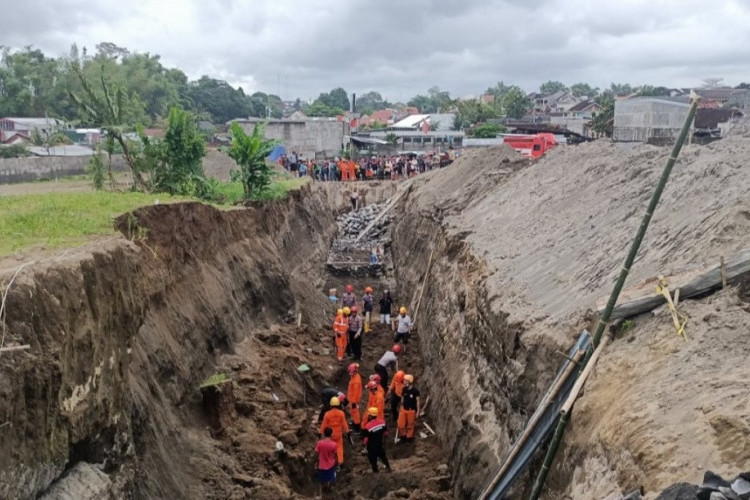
336, 420
395, 391
407, 415
354, 395
376, 378
375, 398
340, 334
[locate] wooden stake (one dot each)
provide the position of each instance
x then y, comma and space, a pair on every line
299, 319
424, 282
583, 376
430, 429
676, 297
723, 273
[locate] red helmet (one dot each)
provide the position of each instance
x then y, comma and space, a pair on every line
372, 384
352, 368
353, 309
375, 378
349, 288
342, 397
396, 349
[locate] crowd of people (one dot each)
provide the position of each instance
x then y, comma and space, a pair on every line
368, 422
366, 168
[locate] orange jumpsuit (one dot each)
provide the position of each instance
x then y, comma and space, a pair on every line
376, 399
340, 331
336, 420
354, 396
344, 169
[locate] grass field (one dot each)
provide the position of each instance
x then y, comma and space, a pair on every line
62, 219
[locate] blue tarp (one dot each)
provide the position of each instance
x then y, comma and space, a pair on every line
544, 426
277, 153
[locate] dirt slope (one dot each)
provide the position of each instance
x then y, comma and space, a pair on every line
660, 410
524, 251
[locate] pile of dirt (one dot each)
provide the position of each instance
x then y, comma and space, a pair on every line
660, 409
523, 251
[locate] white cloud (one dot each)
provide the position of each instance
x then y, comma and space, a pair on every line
400, 48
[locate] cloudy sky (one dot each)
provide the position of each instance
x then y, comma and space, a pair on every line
403, 47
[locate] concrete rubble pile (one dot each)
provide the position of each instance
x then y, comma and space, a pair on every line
347, 252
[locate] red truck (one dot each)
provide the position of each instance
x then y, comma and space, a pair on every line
531, 146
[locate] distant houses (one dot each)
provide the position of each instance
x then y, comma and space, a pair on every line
658, 119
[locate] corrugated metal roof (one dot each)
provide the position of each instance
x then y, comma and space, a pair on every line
411, 121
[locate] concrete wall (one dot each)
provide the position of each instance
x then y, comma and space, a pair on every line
309, 138
573, 124
32, 168
648, 120
13, 170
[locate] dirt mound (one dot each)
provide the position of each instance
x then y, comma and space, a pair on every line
661, 410
523, 252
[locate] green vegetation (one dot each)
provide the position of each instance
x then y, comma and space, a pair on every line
250, 153
214, 380
486, 131
62, 219
56, 220
14, 151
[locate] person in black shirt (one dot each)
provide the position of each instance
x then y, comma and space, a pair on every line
375, 440
407, 415
385, 308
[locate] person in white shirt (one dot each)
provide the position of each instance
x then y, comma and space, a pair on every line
405, 324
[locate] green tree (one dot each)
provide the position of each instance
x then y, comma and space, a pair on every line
515, 103
486, 131
620, 88
550, 87
391, 138
14, 151
743, 85
111, 110
318, 108
602, 122
584, 90
250, 153
175, 163
471, 112
371, 101
219, 99
340, 99
650, 90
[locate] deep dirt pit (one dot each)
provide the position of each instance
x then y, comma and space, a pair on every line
106, 403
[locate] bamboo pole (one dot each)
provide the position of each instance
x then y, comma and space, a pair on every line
424, 282
723, 267
566, 407
635, 245
531, 425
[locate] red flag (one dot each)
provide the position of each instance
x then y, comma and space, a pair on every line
425, 127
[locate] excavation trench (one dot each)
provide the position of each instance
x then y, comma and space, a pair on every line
106, 403
107, 400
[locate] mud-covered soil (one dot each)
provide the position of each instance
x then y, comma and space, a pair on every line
264, 369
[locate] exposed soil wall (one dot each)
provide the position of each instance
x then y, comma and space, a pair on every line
122, 333
523, 252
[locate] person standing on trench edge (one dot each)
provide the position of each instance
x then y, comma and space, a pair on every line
367, 300
355, 334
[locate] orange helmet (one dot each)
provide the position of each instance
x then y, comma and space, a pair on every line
399, 375
368, 289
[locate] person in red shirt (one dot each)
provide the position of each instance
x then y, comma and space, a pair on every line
326, 449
